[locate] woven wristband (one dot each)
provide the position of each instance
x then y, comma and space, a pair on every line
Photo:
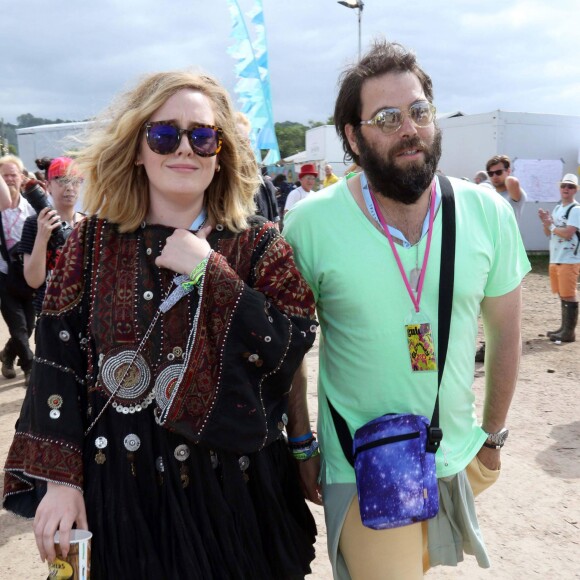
306, 453
196, 275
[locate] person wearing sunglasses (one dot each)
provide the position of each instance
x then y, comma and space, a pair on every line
507, 185
375, 269
562, 226
40, 248
170, 334
498, 169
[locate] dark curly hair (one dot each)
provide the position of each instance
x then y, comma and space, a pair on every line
384, 57
43, 164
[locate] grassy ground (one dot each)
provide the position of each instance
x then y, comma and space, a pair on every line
540, 262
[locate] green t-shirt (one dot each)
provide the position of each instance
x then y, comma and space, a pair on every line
362, 306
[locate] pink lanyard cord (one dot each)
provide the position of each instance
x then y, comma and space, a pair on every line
416, 301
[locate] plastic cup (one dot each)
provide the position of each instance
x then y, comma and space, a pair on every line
77, 564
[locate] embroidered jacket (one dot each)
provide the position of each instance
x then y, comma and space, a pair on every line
216, 367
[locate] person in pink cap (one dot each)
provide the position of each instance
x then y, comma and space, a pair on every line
43, 235
308, 174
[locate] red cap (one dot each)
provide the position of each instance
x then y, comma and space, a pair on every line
308, 169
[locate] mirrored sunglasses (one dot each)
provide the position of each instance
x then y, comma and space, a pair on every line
64, 181
390, 120
164, 137
496, 172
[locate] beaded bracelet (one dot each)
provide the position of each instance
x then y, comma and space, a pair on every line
196, 275
306, 453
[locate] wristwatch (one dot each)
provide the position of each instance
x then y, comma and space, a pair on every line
496, 440
552, 228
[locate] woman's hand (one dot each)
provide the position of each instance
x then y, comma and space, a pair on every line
184, 250
48, 220
60, 508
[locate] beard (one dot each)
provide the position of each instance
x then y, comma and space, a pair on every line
401, 184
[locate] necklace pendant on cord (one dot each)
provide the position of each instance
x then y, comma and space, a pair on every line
414, 278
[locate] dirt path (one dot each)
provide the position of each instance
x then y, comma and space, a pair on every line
530, 518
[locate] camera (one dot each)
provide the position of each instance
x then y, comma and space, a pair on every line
36, 197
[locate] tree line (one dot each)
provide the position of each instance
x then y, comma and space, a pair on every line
291, 135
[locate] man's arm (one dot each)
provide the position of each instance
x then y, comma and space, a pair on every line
501, 321
567, 232
5, 199
514, 190
299, 425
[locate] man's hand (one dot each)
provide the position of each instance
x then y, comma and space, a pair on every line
545, 217
308, 472
490, 457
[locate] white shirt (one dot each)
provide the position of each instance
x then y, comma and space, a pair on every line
13, 221
294, 197
563, 251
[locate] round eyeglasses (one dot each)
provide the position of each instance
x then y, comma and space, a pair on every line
164, 137
391, 119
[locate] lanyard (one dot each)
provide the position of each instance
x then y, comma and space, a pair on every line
416, 300
9, 227
199, 221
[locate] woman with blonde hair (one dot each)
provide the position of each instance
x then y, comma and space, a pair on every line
170, 332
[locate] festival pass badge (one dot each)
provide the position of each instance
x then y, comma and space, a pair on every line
421, 346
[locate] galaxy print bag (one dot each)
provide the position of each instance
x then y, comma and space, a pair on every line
394, 455
395, 471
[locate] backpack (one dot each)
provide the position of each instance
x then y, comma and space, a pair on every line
565, 217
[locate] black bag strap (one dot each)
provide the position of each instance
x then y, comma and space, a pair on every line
565, 217
446, 282
572, 206
3, 246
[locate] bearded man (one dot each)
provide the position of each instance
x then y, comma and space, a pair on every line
374, 269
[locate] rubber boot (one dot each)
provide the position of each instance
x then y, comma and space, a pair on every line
569, 322
551, 332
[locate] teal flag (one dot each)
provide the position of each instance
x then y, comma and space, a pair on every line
253, 84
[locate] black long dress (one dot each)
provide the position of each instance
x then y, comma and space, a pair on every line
171, 423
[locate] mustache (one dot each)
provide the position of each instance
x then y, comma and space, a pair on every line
413, 142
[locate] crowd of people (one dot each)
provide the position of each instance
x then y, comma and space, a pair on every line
166, 408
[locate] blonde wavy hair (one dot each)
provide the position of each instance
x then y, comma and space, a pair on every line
118, 190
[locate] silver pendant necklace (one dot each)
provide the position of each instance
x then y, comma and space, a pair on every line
415, 273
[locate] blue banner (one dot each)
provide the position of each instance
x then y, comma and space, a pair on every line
253, 85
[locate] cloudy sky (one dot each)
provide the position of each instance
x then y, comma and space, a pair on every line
515, 55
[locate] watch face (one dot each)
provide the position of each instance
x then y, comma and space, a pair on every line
498, 438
